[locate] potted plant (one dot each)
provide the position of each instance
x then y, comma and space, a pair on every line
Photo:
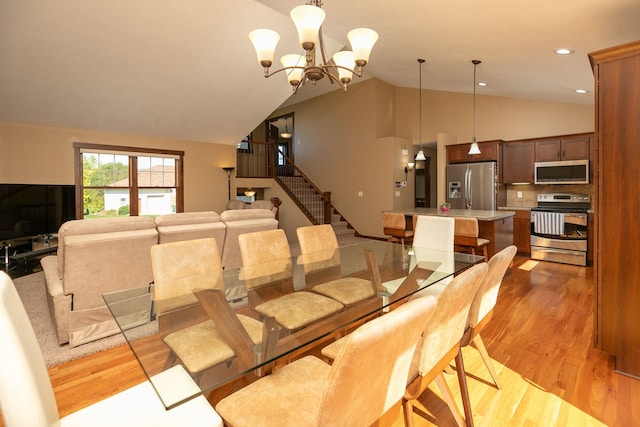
444, 206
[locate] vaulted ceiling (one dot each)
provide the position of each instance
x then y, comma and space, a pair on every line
187, 69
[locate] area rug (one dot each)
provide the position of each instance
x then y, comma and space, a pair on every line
32, 291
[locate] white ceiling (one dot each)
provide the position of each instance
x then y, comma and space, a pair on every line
187, 69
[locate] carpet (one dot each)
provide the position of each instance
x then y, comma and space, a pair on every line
32, 292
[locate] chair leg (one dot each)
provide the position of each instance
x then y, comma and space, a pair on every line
407, 411
464, 390
479, 345
448, 398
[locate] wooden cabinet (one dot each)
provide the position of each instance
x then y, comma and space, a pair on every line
459, 153
522, 231
517, 162
562, 149
617, 237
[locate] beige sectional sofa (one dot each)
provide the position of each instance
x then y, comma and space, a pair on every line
103, 255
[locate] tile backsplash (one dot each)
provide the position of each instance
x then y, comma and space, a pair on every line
529, 193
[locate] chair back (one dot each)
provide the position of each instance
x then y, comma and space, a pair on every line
318, 247
26, 395
180, 267
369, 374
434, 232
466, 231
266, 257
393, 220
447, 326
487, 294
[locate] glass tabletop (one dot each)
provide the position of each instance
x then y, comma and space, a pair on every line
211, 324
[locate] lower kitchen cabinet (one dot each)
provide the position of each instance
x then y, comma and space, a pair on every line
522, 231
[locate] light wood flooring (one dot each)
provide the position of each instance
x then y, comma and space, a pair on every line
540, 339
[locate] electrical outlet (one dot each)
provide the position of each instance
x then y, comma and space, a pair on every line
519, 194
360, 194
397, 194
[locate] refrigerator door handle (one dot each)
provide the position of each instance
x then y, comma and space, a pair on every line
468, 193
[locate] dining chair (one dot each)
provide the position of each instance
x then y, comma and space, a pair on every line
320, 258
268, 274
483, 304
437, 233
26, 394
395, 226
440, 345
434, 232
179, 268
367, 378
466, 236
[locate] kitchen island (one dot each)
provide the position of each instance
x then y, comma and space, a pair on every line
495, 226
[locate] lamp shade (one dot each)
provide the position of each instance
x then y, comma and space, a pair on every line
420, 155
344, 59
294, 75
362, 41
307, 19
474, 149
264, 42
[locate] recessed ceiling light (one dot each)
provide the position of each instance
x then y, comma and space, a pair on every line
563, 51
582, 91
483, 84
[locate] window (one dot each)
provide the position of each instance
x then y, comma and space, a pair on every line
109, 178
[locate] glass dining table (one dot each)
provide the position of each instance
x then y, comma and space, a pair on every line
148, 315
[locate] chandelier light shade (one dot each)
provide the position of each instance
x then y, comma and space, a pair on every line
300, 69
420, 155
474, 149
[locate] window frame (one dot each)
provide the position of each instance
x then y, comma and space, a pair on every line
133, 153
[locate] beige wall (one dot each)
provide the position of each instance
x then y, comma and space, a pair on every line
44, 155
351, 142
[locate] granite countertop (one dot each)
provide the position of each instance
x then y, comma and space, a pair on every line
514, 208
480, 215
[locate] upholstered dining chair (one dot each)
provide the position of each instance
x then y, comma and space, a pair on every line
268, 274
395, 226
440, 345
466, 236
319, 255
483, 304
178, 269
434, 232
437, 233
26, 394
367, 378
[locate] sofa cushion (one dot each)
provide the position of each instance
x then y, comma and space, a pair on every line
236, 204
246, 214
184, 218
98, 226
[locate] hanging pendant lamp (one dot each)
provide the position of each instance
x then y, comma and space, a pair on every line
420, 155
474, 143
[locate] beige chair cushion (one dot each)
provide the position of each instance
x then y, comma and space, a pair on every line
296, 310
347, 290
201, 346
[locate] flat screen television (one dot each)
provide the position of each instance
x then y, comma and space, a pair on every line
29, 210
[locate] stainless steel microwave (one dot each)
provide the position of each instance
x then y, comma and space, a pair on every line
562, 172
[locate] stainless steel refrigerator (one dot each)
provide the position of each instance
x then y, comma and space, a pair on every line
472, 185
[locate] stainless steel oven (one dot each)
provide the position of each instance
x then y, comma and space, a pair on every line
559, 227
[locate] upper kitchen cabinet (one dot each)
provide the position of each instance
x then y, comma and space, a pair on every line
575, 148
517, 162
459, 153
616, 74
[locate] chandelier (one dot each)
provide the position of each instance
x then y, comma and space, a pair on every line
299, 69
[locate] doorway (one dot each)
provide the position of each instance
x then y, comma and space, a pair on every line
423, 183
280, 130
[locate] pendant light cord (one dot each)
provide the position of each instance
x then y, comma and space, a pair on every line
421, 61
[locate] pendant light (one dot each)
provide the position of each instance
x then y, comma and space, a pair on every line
286, 133
420, 155
474, 144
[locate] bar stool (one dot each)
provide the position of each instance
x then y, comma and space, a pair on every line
395, 225
465, 237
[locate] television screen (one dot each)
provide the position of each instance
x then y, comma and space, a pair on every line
28, 210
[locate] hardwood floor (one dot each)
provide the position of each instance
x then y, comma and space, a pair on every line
540, 340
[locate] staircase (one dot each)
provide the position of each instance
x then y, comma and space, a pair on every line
312, 203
